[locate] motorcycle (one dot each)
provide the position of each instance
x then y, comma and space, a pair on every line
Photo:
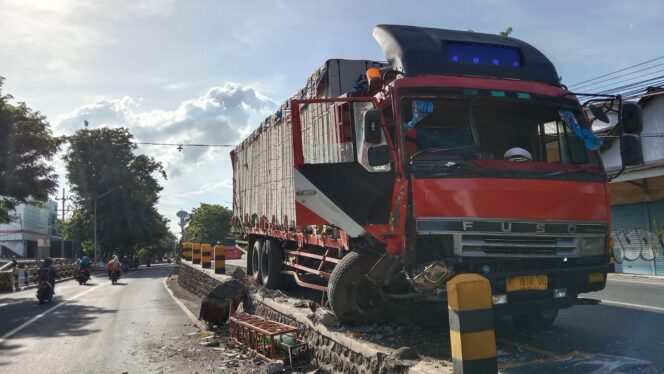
82, 276
114, 277
44, 292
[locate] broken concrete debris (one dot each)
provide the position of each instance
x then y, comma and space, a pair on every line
215, 307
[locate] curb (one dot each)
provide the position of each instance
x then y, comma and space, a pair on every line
184, 308
634, 276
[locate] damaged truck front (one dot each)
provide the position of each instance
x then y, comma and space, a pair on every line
378, 183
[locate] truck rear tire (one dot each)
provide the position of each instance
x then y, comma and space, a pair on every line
535, 321
271, 264
256, 252
355, 300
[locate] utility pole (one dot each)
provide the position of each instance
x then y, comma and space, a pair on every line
62, 239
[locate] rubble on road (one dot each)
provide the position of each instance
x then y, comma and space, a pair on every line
215, 307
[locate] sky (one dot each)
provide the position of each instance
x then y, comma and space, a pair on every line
209, 71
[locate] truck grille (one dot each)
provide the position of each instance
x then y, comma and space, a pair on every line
510, 245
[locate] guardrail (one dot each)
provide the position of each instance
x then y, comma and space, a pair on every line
27, 274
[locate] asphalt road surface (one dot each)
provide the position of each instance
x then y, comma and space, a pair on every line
628, 323
97, 327
127, 328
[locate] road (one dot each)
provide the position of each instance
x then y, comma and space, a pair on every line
629, 322
127, 328
136, 327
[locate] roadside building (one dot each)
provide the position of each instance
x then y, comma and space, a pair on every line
637, 194
32, 233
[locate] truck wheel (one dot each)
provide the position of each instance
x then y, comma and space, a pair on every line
271, 264
256, 251
535, 321
355, 300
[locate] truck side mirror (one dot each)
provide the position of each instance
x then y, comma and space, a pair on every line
631, 124
598, 113
632, 118
373, 134
379, 155
631, 152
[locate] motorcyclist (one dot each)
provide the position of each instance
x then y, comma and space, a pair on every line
113, 265
85, 263
47, 273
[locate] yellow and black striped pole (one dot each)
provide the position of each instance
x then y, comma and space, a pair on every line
186, 251
206, 256
472, 334
196, 249
219, 259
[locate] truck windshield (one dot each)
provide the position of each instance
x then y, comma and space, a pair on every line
495, 132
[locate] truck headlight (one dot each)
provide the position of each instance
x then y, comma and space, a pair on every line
593, 246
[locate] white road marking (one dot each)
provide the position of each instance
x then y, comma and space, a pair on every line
38, 316
630, 305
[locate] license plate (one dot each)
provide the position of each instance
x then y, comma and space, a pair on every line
527, 283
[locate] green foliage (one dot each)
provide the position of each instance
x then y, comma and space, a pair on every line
506, 32
27, 147
208, 223
101, 166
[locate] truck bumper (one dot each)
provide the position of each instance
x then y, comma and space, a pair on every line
575, 280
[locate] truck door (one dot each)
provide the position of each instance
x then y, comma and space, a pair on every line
334, 182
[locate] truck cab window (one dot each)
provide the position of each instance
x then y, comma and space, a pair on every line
446, 126
362, 147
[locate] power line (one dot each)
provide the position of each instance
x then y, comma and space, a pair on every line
637, 92
617, 71
629, 81
622, 75
649, 81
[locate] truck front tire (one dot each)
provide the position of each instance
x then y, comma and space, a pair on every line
355, 300
272, 257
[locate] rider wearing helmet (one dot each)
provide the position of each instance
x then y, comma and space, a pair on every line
85, 263
47, 273
113, 265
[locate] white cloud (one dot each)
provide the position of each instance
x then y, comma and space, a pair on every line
220, 116
223, 115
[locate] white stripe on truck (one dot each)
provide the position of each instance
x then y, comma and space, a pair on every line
310, 196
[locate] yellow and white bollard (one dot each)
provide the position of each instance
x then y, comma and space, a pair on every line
472, 334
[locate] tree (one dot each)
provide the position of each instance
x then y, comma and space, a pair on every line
102, 168
208, 223
27, 147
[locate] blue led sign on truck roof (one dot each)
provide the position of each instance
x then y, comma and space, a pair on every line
483, 54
